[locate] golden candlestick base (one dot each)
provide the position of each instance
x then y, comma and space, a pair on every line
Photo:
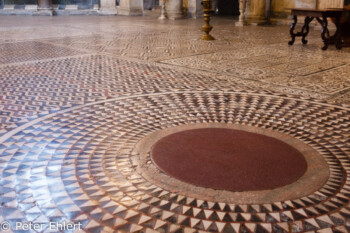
207, 27
207, 37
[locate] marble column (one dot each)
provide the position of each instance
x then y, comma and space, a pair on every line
305, 4
174, 9
195, 9
242, 10
323, 4
162, 10
107, 7
257, 9
44, 8
130, 7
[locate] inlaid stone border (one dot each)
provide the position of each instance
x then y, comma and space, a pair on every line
314, 178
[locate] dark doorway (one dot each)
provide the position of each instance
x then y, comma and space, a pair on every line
228, 7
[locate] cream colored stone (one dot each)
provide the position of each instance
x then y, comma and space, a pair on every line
175, 9
71, 7
323, 4
130, 7
31, 7
305, 4
107, 7
195, 9
257, 8
9, 7
281, 6
242, 13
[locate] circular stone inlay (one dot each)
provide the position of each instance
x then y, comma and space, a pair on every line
228, 159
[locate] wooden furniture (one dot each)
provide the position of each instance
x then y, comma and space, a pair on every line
321, 16
345, 26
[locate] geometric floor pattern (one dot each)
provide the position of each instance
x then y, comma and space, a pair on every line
78, 166
46, 86
72, 116
31, 50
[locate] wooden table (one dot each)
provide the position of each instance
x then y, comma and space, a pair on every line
321, 16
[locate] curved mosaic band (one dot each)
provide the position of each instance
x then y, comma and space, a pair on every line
87, 171
315, 177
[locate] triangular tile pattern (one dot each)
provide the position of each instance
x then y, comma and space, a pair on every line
76, 167
61, 83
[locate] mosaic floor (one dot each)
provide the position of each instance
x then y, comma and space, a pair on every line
80, 97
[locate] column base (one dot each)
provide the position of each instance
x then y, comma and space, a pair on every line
43, 12
175, 16
107, 12
131, 12
241, 24
162, 17
195, 15
195, 9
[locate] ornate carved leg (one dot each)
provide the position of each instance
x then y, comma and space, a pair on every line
338, 34
292, 34
325, 33
305, 30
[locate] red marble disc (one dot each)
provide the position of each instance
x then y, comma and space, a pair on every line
228, 159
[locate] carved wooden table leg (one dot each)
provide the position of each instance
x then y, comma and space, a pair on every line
338, 34
292, 34
325, 33
305, 30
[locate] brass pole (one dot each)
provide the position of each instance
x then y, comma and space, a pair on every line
206, 28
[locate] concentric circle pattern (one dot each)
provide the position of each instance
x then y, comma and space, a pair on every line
79, 165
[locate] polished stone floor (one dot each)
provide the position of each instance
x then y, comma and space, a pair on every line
83, 96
